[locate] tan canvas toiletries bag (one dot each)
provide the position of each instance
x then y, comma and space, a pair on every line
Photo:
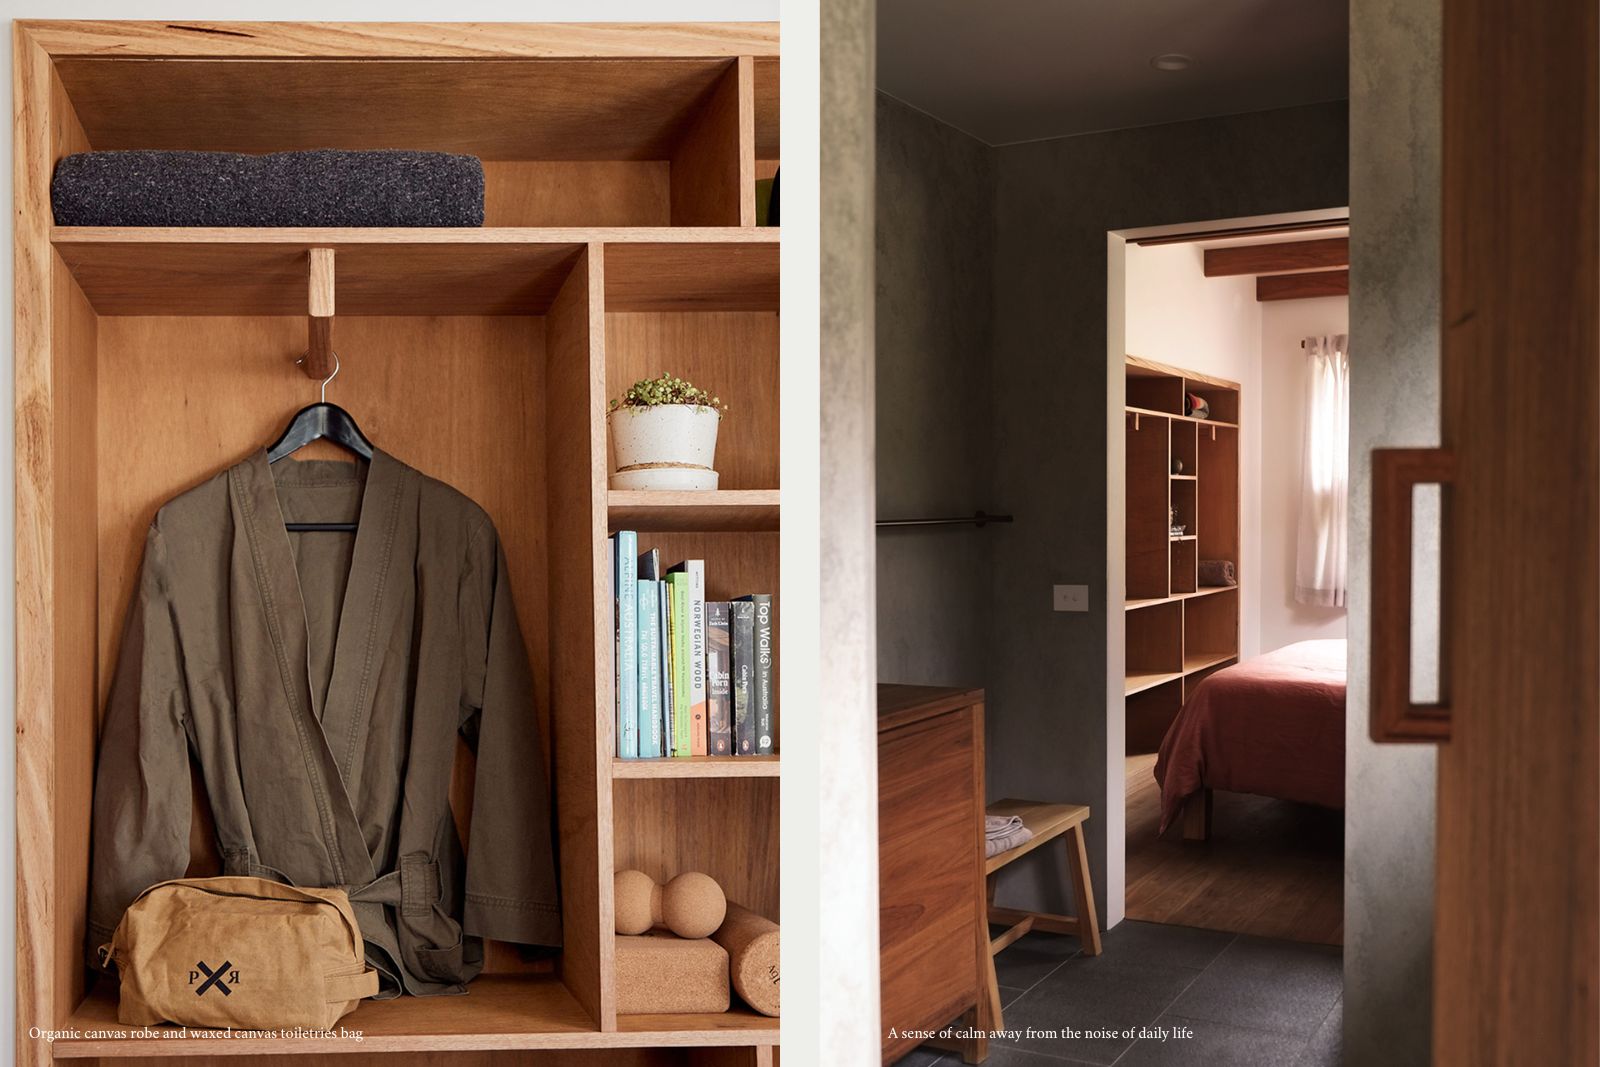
244, 953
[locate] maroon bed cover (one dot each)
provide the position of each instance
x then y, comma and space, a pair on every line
1272, 725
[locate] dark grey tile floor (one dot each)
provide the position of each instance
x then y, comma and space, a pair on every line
1236, 1001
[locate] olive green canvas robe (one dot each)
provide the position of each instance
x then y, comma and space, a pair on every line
320, 681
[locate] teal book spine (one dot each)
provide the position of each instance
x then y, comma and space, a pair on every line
627, 602
647, 600
682, 685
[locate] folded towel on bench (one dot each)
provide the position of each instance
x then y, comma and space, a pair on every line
1004, 833
325, 187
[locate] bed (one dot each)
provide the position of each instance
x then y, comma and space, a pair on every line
1272, 725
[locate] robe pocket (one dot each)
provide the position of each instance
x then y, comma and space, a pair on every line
443, 964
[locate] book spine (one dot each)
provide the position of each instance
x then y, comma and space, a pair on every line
763, 698
614, 617
682, 685
719, 680
742, 629
627, 602
664, 656
647, 598
698, 736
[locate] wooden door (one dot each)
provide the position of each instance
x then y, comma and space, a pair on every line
1518, 845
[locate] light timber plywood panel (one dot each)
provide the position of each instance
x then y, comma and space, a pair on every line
726, 827
402, 40
576, 193
731, 354
584, 663
515, 109
739, 275
713, 165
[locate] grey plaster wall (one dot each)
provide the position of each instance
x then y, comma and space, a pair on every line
1394, 400
934, 308
1055, 202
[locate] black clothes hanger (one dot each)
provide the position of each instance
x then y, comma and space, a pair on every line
321, 421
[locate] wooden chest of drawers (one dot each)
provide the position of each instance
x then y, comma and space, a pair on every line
932, 934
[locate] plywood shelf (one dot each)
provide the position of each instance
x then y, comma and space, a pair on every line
698, 767
1150, 413
666, 511
1184, 537
489, 271
1134, 603
1140, 681
1183, 477
1194, 662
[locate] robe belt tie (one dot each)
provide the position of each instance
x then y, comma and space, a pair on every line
413, 888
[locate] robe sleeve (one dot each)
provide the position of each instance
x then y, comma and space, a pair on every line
511, 890
142, 793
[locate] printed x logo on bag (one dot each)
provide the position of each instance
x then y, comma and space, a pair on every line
218, 978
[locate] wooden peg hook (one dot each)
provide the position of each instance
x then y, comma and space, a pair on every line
318, 363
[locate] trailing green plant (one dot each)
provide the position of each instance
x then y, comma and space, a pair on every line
667, 389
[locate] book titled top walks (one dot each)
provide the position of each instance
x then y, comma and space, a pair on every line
694, 676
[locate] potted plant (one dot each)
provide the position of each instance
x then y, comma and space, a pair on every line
664, 435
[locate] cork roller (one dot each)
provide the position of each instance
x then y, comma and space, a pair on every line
752, 945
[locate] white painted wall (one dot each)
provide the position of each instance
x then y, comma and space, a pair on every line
1284, 323
1176, 315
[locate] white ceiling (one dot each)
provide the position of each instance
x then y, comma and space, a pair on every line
1022, 70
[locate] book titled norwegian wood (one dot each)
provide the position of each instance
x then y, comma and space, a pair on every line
695, 640
719, 680
648, 599
742, 631
762, 698
682, 684
625, 590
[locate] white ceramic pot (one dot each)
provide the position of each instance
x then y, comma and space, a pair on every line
677, 440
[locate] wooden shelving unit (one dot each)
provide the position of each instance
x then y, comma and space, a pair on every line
1177, 631
620, 164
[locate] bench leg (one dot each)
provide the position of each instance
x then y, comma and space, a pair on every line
1083, 890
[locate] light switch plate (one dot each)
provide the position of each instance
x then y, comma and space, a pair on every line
1072, 598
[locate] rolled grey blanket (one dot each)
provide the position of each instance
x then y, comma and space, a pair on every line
326, 187
1217, 572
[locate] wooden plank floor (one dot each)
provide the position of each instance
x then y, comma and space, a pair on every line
1272, 868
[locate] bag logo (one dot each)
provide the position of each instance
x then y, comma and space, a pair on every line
218, 978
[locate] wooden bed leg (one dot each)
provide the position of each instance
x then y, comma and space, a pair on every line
1197, 816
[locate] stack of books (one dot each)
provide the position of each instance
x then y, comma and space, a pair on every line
694, 676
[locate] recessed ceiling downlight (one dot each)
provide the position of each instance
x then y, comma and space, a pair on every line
1172, 61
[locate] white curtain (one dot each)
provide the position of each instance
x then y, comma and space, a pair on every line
1319, 576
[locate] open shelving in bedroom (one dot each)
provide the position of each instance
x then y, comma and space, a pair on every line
1183, 470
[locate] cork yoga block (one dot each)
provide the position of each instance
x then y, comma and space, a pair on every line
659, 972
752, 944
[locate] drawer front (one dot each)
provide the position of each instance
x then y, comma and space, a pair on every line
930, 873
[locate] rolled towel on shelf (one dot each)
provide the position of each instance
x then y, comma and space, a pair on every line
1001, 825
1217, 572
325, 187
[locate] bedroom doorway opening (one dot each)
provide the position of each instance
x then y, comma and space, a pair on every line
1227, 431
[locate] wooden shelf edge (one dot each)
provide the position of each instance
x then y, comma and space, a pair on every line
1136, 603
1200, 661
668, 511
698, 767
1139, 682
1154, 414
482, 235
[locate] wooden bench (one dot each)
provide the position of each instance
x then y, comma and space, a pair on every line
1048, 822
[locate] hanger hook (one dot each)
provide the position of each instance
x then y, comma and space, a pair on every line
330, 377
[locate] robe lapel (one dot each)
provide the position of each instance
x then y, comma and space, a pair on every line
255, 498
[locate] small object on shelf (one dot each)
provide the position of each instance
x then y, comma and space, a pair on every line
1177, 531
751, 942
1196, 406
660, 973
1217, 573
1177, 465
692, 905
664, 435
324, 187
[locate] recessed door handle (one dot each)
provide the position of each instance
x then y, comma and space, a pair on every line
1393, 716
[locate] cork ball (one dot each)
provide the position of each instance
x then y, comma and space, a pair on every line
637, 901
693, 905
